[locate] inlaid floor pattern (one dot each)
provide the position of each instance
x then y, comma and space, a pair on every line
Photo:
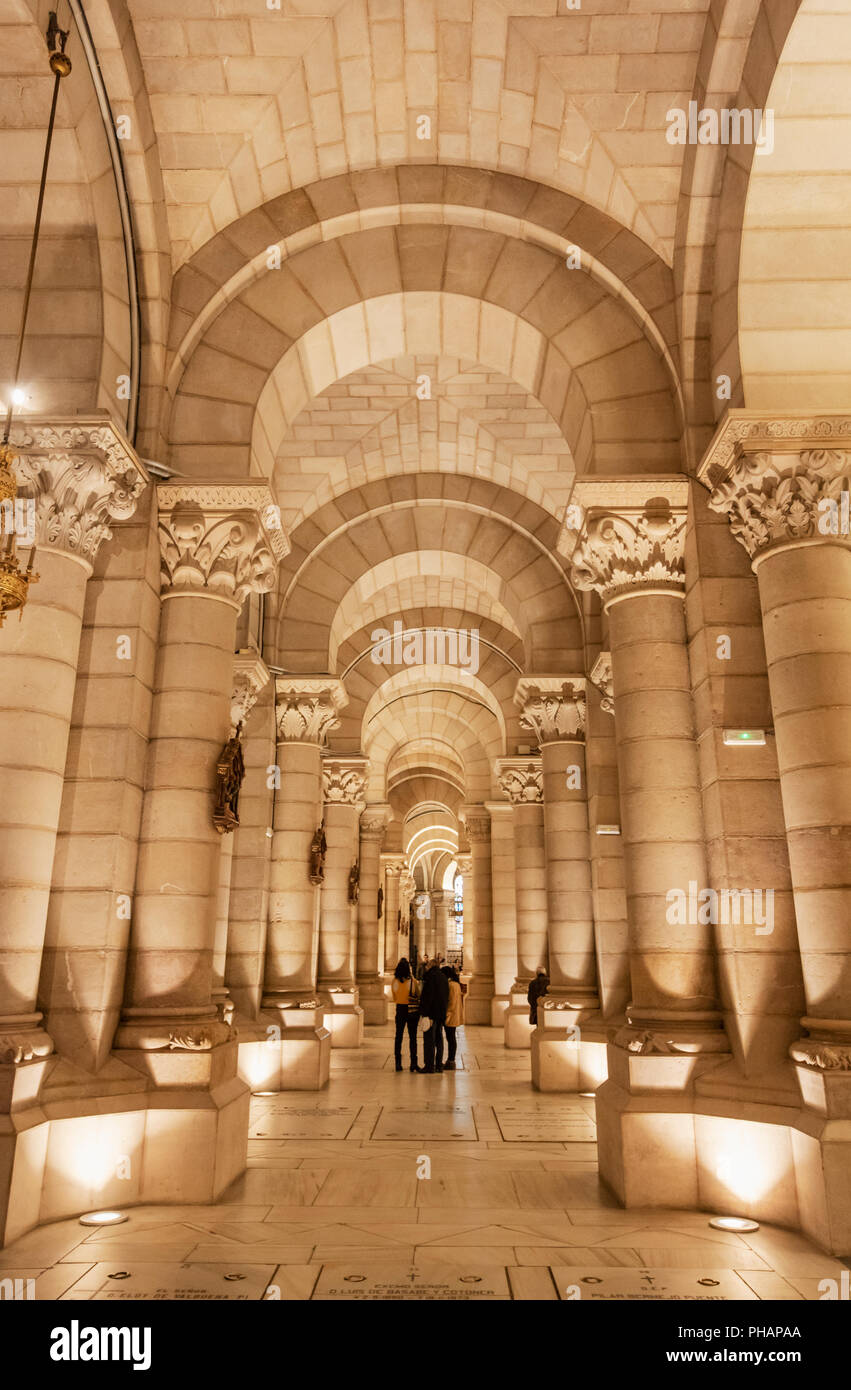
386, 1185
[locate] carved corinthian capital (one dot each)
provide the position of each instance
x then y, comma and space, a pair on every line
630, 537
552, 708
81, 475
307, 707
250, 675
780, 480
374, 820
521, 780
223, 539
477, 823
344, 781
601, 677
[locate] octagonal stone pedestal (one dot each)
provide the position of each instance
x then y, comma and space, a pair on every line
288, 1050
518, 1029
566, 1054
343, 1017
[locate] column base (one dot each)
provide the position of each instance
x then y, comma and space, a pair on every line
373, 1000
68, 1156
343, 1016
568, 1054
518, 1029
286, 1049
499, 1008
477, 1004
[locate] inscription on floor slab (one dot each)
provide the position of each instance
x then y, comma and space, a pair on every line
295, 1122
525, 1125
650, 1285
424, 1122
423, 1283
148, 1283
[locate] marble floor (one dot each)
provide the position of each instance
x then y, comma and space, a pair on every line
386, 1185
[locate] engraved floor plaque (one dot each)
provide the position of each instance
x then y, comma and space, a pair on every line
432, 1121
435, 1283
524, 1125
149, 1283
650, 1285
302, 1122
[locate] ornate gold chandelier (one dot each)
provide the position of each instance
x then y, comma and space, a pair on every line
15, 583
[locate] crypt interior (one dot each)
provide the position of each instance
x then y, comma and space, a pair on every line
426, 533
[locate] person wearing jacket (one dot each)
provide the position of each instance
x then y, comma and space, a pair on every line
402, 984
433, 1004
536, 991
454, 1015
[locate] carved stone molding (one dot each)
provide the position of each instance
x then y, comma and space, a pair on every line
219, 538
601, 677
775, 499
82, 475
373, 822
521, 780
552, 707
307, 707
753, 432
465, 864
344, 781
822, 1056
250, 675
477, 823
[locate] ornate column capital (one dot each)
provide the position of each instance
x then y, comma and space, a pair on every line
465, 864
552, 707
344, 781
250, 675
626, 536
780, 481
223, 540
601, 677
521, 779
477, 823
374, 820
307, 707
81, 474
393, 864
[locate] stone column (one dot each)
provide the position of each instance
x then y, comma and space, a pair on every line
786, 485
503, 907
250, 675
604, 824
369, 976
631, 552
343, 792
522, 781
215, 549
249, 883
468, 944
481, 988
393, 865
440, 901
78, 477
564, 1056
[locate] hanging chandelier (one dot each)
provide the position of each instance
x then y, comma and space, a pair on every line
15, 582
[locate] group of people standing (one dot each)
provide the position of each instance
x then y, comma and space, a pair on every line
438, 1000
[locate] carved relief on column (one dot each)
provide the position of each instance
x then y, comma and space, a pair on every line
81, 475
220, 539
631, 536
521, 779
781, 481
307, 707
477, 824
552, 708
250, 676
344, 781
601, 677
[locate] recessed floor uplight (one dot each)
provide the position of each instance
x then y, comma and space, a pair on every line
103, 1218
264, 1093
589, 1095
733, 1223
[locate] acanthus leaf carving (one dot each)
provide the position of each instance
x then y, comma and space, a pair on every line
551, 708
623, 553
522, 781
774, 499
